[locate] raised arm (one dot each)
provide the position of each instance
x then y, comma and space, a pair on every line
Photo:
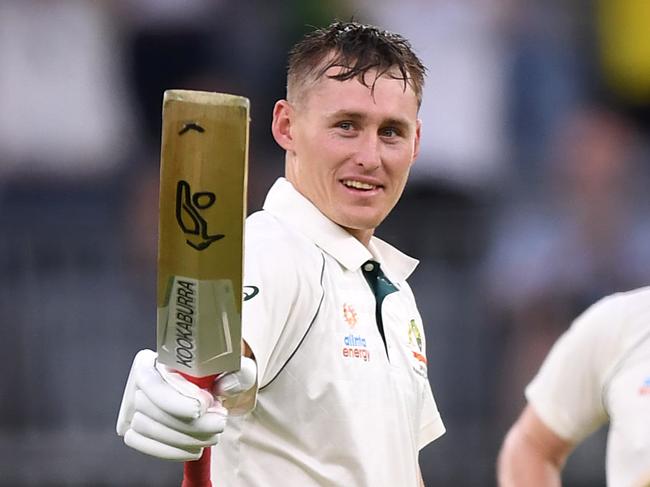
532, 455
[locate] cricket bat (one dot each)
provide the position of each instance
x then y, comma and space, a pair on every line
203, 176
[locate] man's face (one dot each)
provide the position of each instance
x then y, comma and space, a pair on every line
349, 149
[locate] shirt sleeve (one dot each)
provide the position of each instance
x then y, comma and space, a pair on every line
567, 391
282, 293
431, 423
431, 426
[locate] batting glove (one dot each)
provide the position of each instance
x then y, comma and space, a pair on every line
164, 415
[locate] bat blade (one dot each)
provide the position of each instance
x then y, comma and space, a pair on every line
203, 172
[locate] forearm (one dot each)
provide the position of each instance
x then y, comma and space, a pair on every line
520, 464
532, 455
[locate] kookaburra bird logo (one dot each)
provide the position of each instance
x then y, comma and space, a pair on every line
188, 215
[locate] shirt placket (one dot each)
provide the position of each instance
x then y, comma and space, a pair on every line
381, 287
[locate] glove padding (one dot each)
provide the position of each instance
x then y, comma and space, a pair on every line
164, 415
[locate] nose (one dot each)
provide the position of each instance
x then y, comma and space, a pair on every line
368, 154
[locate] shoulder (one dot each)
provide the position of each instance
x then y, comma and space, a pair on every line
607, 329
601, 333
629, 317
619, 314
636, 300
271, 243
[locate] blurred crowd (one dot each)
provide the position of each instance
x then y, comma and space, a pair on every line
528, 201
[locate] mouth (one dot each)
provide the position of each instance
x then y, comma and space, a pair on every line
359, 185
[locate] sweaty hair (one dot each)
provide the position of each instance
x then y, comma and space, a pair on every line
357, 49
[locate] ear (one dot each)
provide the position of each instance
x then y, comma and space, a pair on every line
281, 125
416, 143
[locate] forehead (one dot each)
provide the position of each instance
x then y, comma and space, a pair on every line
372, 93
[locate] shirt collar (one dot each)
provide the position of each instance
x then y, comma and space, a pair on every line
285, 203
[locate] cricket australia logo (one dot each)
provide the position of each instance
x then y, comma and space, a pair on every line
417, 349
188, 214
415, 338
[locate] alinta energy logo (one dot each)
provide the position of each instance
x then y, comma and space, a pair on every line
354, 345
188, 214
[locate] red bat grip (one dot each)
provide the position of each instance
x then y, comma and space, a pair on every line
196, 473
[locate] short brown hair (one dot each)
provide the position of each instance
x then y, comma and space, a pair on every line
356, 48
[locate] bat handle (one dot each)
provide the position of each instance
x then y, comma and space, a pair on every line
196, 473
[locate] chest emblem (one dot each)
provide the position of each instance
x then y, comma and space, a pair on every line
416, 346
415, 337
354, 344
350, 315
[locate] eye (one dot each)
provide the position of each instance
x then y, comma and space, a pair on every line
389, 132
345, 125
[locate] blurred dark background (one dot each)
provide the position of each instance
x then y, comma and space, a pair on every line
528, 201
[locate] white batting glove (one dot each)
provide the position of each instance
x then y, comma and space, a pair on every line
164, 415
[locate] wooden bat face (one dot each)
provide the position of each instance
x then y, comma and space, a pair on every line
203, 172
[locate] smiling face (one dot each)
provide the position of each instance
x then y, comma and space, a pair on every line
350, 148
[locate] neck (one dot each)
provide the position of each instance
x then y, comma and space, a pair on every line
362, 235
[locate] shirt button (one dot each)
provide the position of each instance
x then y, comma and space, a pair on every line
369, 266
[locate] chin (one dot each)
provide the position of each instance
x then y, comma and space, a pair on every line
361, 224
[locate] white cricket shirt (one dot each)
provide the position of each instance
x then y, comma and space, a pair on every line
599, 371
336, 405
